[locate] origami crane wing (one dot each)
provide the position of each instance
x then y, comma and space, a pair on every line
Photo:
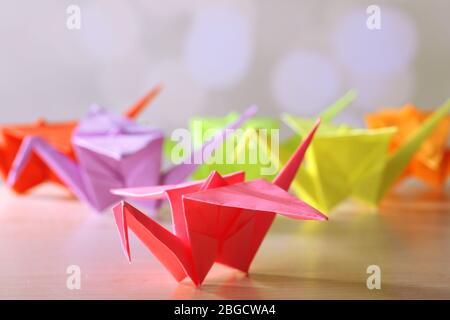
36, 171
358, 161
230, 222
224, 224
64, 167
172, 249
174, 194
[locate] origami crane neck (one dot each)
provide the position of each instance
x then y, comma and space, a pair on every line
332, 111
41, 122
139, 107
326, 116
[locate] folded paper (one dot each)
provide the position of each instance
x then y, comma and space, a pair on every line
347, 162
431, 163
239, 152
221, 219
58, 135
112, 151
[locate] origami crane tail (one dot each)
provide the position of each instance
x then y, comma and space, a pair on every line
169, 249
64, 168
288, 173
332, 111
400, 159
139, 106
182, 171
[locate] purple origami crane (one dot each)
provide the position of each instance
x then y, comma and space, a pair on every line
114, 152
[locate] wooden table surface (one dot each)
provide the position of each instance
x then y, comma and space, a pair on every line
408, 238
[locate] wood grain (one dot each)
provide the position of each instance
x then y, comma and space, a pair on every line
408, 237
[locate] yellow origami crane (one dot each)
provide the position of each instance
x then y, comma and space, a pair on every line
346, 162
431, 163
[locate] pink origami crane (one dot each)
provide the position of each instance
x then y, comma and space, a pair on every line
112, 151
220, 219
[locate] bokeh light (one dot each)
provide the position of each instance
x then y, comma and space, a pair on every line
180, 99
376, 52
170, 8
376, 91
110, 29
119, 84
304, 82
219, 46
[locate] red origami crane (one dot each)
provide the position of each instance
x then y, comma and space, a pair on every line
58, 135
220, 219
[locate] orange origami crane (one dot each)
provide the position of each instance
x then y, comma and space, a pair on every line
431, 164
220, 219
57, 134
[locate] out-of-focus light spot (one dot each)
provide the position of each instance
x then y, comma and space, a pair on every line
218, 48
304, 82
109, 29
376, 92
180, 98
364, 51
168, 9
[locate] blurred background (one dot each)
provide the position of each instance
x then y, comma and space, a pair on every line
217, 56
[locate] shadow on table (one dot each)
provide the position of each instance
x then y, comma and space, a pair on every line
268, 286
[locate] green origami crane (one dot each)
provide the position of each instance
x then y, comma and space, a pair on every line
346, 162
242, 150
